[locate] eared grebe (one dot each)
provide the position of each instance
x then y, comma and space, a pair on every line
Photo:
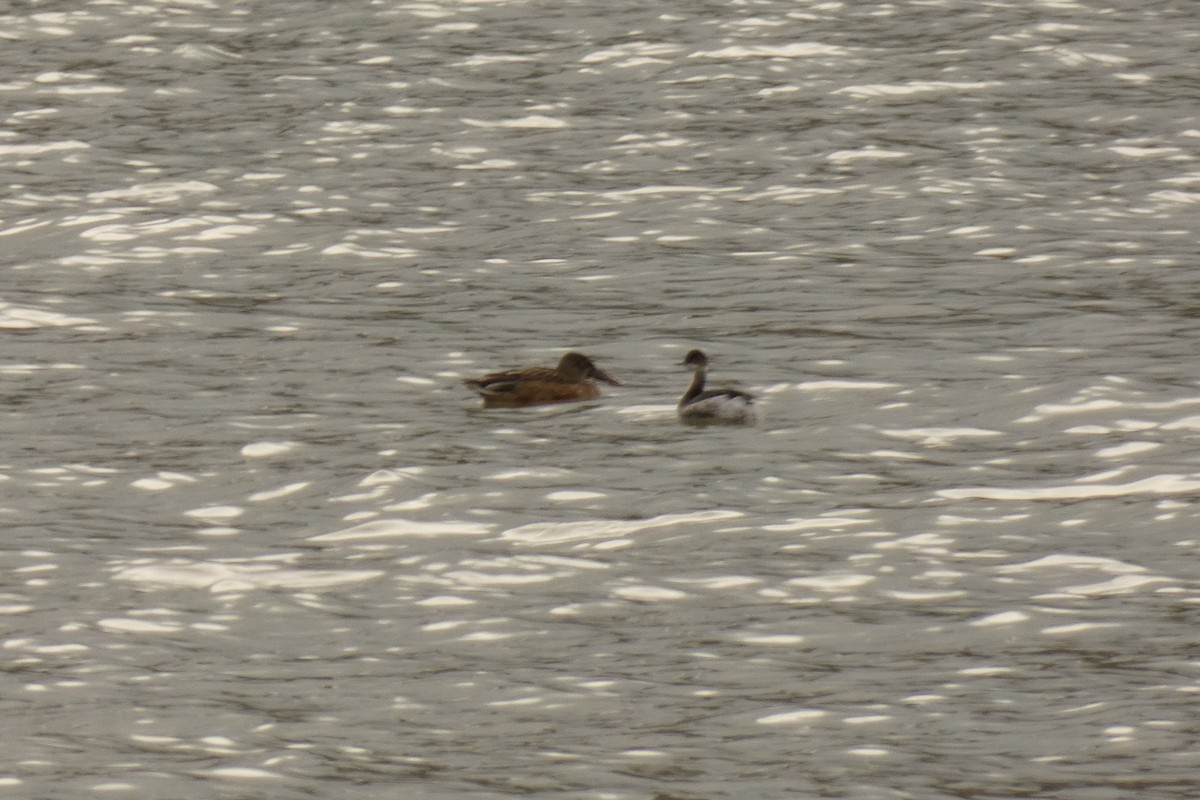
714, 405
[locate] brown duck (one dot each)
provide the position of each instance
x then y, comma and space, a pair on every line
573, 379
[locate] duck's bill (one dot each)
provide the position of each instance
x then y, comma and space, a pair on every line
601, 375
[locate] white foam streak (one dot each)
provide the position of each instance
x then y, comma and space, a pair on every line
788, 194
770, 639
1058, 409
164, 192
1157, 485
793, 50
476, 579
351, 249
624, 194
1078, 627
282, 491
648, 412
226, 577
1126, 449
871, 153
814, 523
792, 717
39, 149
267, 449
537, 473
835, 385
1184, 423
926, 596
161, 481
127, 625
642, 49
939, 437
1122, 584
568, 496
915, 87
1082, 405
243, 773
1176, 196
389, 476
1078, 58
216, 513
18, 318
395, 528
1070, 561
833, 583
556, 532
648, 594
534, 121
1001, 618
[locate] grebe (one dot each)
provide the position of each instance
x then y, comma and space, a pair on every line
714, 405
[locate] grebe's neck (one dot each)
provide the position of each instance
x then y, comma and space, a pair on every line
697, 385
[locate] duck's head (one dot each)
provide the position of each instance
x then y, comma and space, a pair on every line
578, 367
695, 359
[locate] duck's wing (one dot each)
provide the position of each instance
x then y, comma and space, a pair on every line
487, 386
508, 380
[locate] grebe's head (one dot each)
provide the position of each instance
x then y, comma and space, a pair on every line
695, 359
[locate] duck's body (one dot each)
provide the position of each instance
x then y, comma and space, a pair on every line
573, 379
713, 405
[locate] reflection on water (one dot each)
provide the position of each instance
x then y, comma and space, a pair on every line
262, 541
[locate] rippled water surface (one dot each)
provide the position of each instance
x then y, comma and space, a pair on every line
259, 541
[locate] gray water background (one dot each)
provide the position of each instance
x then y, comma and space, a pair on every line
259, 542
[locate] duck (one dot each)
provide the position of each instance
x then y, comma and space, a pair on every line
714, 405
573, 379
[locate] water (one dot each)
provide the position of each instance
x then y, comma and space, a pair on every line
260, 542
